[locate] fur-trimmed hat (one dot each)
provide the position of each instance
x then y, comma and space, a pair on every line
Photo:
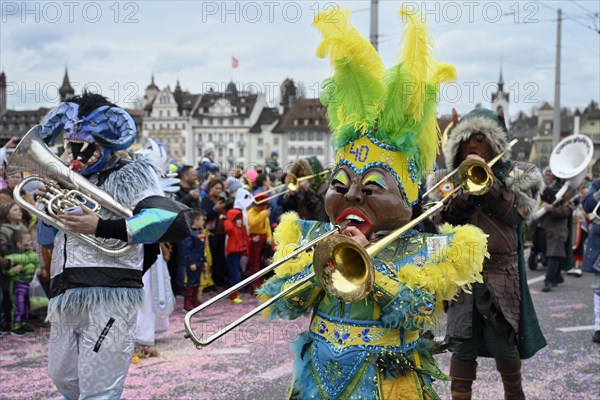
482, 120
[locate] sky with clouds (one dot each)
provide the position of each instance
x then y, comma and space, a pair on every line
114, 47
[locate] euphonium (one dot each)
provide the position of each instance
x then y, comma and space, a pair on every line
32, 155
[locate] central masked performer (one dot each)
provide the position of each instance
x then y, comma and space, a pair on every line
385, 137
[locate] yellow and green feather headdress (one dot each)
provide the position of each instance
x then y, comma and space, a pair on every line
382, 117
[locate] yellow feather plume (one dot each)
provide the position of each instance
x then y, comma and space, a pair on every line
459, 264
287, 236
416, 58
444, 73
358, 80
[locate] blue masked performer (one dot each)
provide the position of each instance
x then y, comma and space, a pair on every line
94, 296
385, 137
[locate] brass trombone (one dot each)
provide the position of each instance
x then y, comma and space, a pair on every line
188, 317
475, 176
342, 266
292, 186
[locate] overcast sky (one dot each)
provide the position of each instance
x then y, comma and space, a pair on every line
114, 47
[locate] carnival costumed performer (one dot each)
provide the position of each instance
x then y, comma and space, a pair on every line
497, 319
591, 262
95, 297
159, 300
385, 137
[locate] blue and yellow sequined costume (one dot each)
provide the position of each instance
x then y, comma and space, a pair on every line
373, 348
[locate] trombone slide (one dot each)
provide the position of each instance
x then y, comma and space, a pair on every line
188, 317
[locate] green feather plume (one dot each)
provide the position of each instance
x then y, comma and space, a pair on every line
353, 94
397, 107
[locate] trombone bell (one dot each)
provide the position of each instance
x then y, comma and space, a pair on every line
343, 268
475, 177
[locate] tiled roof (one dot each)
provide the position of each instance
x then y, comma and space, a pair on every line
186, 101
267, 116
304, 109
236, 99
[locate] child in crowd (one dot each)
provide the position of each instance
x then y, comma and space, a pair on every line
237, 246
25, 264
206, 281
192, 256
260, 234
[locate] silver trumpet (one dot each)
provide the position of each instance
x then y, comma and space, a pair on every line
32, 155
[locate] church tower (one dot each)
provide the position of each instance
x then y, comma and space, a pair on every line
66, 91
150, 93
3, 104
500, 98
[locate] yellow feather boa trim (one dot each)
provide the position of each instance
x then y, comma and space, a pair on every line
287, 236
457, 266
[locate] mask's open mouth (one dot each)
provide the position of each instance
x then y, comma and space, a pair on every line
82, 154
356, 218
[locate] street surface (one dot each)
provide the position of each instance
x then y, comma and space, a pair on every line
253, 361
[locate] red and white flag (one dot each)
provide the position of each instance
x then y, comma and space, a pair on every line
234, 62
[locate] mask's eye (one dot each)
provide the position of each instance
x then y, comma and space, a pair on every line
480, 137
340, 179
93, 123
374, 180
340, 182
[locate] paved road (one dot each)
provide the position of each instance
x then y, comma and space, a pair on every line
253, 362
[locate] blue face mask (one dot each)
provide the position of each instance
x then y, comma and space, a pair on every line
90, 140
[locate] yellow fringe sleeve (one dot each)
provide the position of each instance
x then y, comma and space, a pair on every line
287, 236
457, 266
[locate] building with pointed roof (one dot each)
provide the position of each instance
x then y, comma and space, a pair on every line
167, 118
221, 121
16, 122
500, 98
150, 93
66, 91
305, 132
3, 98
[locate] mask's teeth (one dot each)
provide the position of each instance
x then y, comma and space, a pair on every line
85, 146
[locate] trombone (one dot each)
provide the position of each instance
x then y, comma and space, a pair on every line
475, 176
188, 317
292, 186
343, 267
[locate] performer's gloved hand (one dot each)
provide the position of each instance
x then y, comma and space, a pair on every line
86, 223
500, 202
461, 207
